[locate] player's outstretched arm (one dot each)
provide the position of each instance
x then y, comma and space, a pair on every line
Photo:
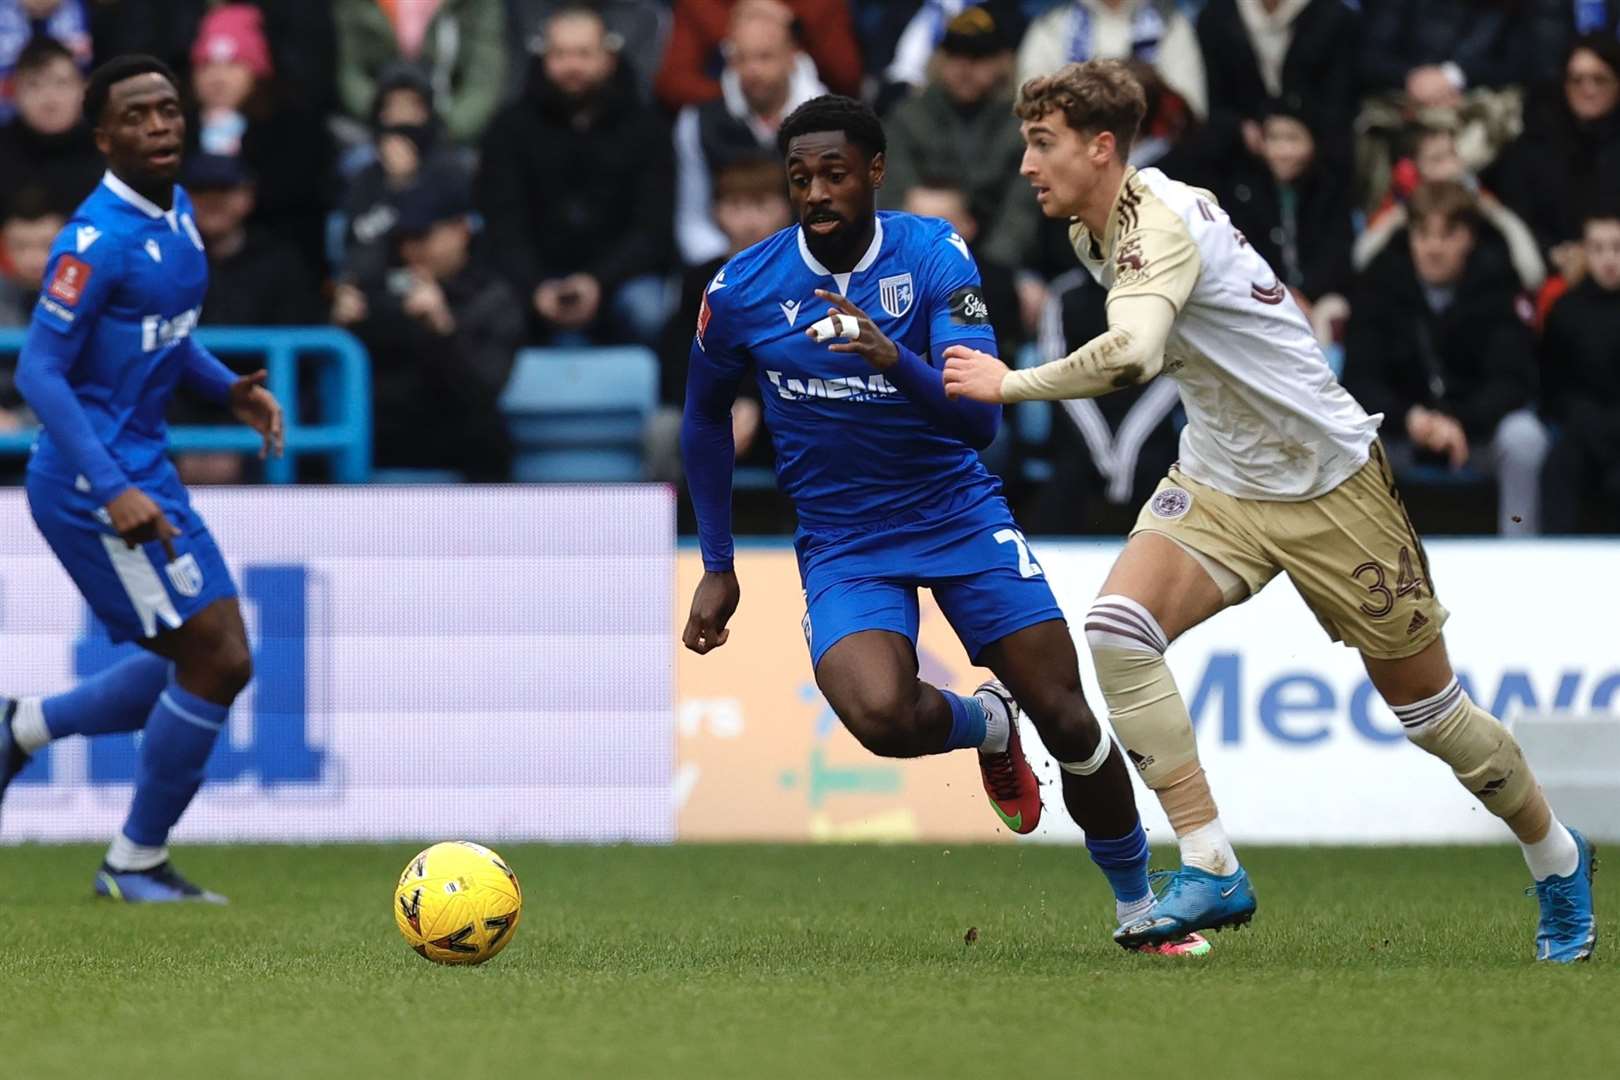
245, 395
974, 422
1129, 352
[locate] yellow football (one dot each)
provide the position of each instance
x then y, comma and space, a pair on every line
458, 903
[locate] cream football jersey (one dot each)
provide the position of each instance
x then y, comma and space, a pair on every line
1266, 419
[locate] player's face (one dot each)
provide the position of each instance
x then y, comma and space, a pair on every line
833, 187
1063, 165
142, 128
1591, 86
1602, 244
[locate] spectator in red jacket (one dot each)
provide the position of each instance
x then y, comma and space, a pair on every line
692, 62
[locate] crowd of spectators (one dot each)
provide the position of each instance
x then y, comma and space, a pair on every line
1437, 182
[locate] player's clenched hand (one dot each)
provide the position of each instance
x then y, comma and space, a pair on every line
257, 407
973, 374
845, 320
713, 605
139, 521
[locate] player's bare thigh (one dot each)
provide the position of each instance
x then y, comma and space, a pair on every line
1411, 678
1157, 573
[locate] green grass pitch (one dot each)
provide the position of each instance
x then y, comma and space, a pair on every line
782, 962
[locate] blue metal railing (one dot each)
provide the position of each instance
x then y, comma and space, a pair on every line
343, 435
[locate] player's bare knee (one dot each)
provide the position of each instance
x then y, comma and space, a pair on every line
883, 720
228, 668
1061, 714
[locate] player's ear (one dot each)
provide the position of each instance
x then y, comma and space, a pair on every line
877, 169
103, 141
1103, 147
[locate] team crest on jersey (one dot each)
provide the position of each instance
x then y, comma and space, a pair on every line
1130, 264
67, 284
895, 294
1171, 503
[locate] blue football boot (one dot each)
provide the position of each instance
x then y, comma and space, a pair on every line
159, 885
1192, 900
1568, 929
12, 756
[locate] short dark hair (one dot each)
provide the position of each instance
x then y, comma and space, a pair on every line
1094, 97
41, 51
115, 71
1447, 200
32, 204
834, 112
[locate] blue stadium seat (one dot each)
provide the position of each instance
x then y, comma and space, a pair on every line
578, 415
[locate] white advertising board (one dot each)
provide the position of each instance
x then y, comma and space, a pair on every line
494, 663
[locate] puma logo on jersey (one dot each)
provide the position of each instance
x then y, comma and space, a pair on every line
790, 309
846, 388
159, 333
85, 236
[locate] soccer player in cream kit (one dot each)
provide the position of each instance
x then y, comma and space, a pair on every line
1281, 471
109, 341
843, 320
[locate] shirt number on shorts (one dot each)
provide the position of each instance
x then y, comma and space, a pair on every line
1372, 577
1027, 566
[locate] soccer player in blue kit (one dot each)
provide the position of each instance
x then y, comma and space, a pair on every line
890, 493
109, 341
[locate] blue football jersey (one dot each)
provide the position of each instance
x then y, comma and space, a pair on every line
122, 291
851, 449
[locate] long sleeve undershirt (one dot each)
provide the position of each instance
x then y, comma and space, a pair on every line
1129, 352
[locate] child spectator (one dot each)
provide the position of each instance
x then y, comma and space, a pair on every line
22, 21
48, 145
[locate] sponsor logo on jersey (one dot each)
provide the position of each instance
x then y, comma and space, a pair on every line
895, 294
968, 307
69, 281
790, 310
845, 388
159, 333
1171, 503
1130, 262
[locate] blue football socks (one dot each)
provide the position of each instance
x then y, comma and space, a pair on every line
1124, 862
117, 699
180, 734
968, 721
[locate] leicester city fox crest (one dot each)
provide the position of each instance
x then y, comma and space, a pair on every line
895, 294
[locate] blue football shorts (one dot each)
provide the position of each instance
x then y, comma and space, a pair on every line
135, 592
969, 553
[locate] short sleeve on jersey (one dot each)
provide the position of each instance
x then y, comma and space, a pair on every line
79, 277
1155, 261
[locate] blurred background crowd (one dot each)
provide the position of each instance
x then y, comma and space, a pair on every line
453, 181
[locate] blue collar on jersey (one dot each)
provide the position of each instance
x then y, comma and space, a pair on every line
843, 279
136, 199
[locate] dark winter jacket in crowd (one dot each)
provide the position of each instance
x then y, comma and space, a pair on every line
1496, 43
1580, 369
1473, 361
1559, 170
263, 284
1319, 69
567, 187
65, 168
1304, 230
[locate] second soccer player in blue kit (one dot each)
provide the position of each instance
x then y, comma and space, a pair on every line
843, 319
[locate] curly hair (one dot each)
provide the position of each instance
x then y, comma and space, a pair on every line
834, 112
1096, 96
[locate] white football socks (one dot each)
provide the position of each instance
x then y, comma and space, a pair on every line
1554, 855
125, 854
28, 725
1207, 848
997, 723
1128, 911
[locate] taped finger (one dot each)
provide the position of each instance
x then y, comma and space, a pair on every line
836, 325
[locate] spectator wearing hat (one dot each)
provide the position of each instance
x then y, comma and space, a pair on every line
1294, 207
1439, 342
576, 184
1259, 51
961, 126
409, 142
766, 77
1154, 32
285, 148
460, 44
21, 21
693, 60
1580, 372
48, 145
442, 330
